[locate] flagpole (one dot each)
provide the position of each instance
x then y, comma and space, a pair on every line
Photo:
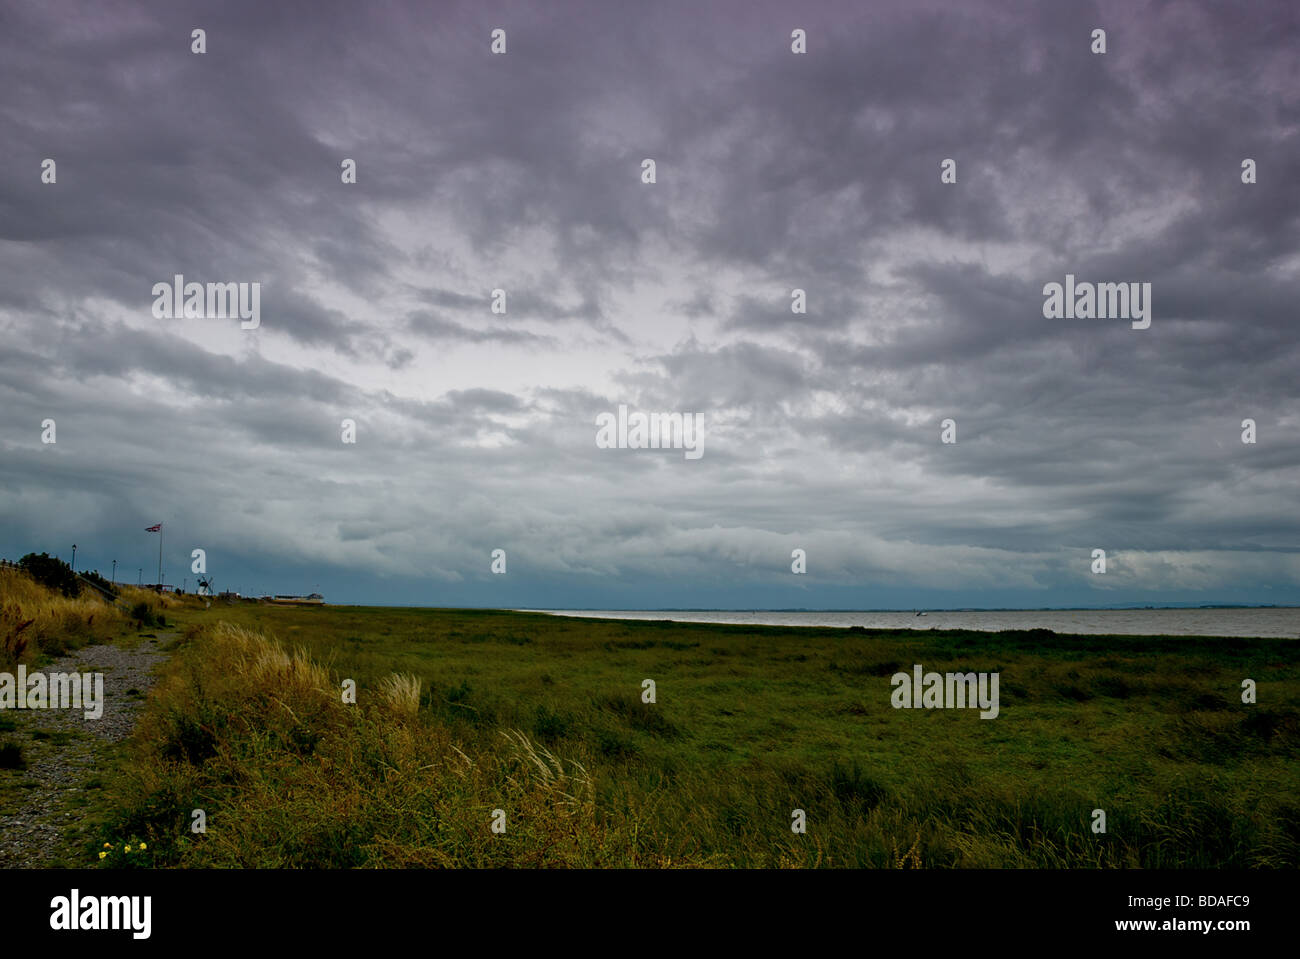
160, 532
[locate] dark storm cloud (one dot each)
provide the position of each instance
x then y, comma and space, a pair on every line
775, 171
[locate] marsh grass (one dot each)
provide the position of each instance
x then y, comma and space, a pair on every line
455, 717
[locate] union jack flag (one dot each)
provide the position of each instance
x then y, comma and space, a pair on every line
154, 529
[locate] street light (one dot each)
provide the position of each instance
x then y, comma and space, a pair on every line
74, 557
114, 572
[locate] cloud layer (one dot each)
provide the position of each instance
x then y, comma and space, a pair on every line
775, 171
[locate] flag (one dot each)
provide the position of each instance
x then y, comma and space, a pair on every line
154, 529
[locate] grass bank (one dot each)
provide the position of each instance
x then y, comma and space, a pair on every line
37, 623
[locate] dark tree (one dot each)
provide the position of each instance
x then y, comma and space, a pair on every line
51, 572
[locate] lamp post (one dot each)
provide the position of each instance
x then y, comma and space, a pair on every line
74, 557
114, 572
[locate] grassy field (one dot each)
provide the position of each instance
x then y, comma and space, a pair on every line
462, 713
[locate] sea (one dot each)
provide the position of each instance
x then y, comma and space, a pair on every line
1274, 622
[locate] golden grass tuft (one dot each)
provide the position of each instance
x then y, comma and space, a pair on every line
260, 662
400, 692
572, 786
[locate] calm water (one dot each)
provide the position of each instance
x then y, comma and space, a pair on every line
1132, 622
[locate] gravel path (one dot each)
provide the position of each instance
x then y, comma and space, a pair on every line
38, 805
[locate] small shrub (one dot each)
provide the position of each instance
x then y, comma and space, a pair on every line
647, 717
550, 726
104, 585
1112, 687
854, 789
612, 744
189, 741
11, 756
143, 612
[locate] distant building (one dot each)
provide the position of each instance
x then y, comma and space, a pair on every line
315, 599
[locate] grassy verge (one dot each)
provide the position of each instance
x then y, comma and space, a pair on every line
37, 623
460, 713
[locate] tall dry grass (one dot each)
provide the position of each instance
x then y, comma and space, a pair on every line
153, 599
35, 620
291, 775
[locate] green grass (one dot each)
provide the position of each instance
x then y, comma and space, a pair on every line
749, 724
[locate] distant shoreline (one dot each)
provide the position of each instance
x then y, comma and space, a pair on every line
909, 609
1270, 622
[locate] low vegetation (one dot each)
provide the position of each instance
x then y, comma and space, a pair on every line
37, 621
461, 714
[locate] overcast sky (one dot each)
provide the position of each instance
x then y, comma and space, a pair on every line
522, 171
